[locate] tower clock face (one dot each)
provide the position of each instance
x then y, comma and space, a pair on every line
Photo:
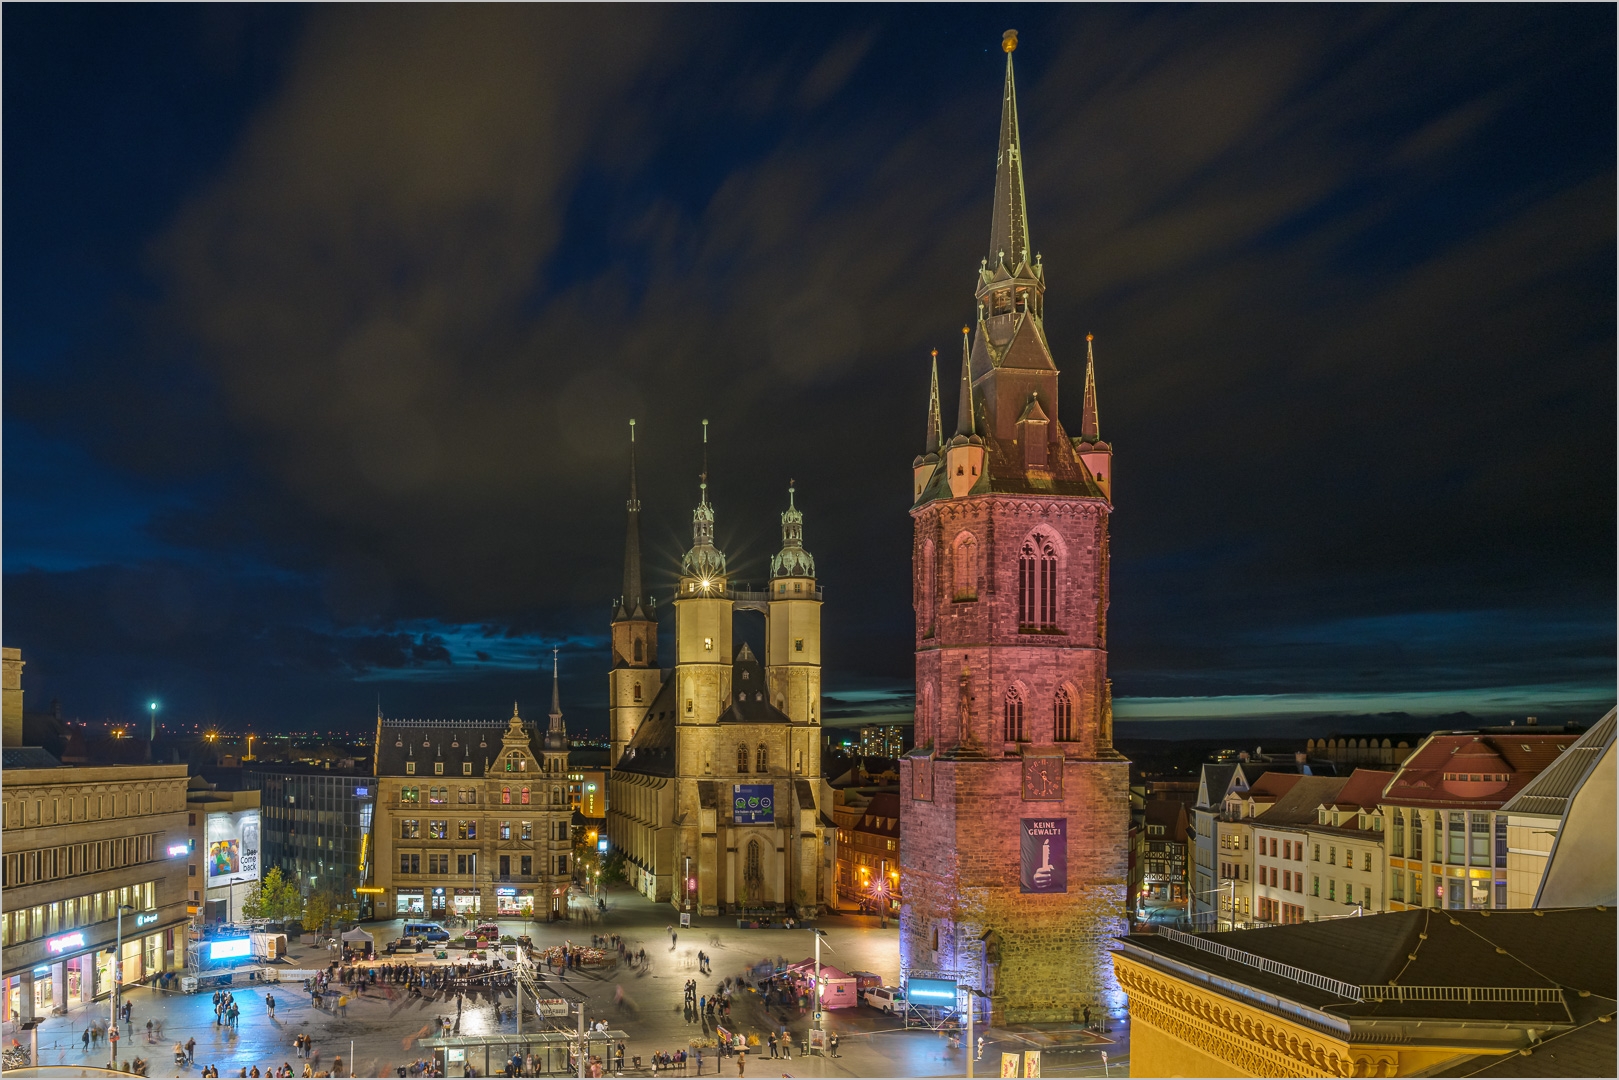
1042, 779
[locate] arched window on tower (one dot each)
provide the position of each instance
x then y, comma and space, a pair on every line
762, 761
925, 589
1037, 583
1014, 715
753, 871
638, 655
1062, 715
741, 759
965, 567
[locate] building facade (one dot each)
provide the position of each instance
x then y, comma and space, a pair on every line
225, 849
82, 844
1377, 996
716, 796
472, 819
1568, 807
1164, 876
317, 825
1014, 804
882, 740
1447, 835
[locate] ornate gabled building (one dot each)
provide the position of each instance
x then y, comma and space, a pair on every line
1014, 804
472, 817
716, 797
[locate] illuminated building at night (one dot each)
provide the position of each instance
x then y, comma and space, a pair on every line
716, 797
1014, 805
472, 818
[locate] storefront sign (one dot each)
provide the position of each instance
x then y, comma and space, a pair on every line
180, 849
753, 804
147, 919
74, 940
1044, 852
233, 848
362, 792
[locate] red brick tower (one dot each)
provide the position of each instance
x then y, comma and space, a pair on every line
1014, 806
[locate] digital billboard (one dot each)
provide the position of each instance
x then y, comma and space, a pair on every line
754, 804
230, 949
1044, 852
937, 992
233, 848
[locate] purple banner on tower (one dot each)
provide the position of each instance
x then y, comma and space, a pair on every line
1045, 855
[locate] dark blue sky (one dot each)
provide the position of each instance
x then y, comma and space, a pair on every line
322, 327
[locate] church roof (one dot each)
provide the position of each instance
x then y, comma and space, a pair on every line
750, 697
651, 752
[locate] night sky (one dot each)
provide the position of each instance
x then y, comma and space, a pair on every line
322, 329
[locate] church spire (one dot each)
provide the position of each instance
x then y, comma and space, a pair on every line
792, 560
632, 604
557, 727
935, 417
1089, 428
966, 421
1009, 229
704, 561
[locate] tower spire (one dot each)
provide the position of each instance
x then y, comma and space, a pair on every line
1089, 428
556, 698
966, 422
704, 561
935, 419
632, 603
792, 560
1009, 229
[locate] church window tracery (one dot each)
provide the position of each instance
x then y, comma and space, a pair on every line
753, 873
1037, 583
1014, 715
1062, 715
742, 759
762, 760
965, 567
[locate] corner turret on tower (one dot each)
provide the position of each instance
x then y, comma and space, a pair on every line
927, 462
634, 680
1096, 455
964, 461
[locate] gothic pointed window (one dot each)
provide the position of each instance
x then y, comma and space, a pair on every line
741, 759
762, 760
965, 567
1014, 715
1062, 715
1037, 583
637, 650
925, 590
753, 871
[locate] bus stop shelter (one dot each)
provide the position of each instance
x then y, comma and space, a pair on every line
550, 1049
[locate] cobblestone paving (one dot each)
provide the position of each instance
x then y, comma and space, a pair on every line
382, 1028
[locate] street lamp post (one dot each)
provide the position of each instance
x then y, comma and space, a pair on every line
117, 982
153, 733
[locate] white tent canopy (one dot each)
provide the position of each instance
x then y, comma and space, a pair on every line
357, 935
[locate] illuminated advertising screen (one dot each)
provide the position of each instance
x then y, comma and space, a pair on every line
937, 992
233, 848
1044, 852
230, 949
754, 804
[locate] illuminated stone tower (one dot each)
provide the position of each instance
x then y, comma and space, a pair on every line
1014, 804
703, 617
634, 679
793, 648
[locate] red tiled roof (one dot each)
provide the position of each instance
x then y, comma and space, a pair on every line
1421, 781
1273, 785
1364, 789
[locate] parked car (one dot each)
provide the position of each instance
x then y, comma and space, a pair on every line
430, 931
489, 930
888, 999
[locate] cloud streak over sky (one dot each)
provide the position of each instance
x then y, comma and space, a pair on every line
338, 327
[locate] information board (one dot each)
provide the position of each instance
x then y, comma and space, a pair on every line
753, 804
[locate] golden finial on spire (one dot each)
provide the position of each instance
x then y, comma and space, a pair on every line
1009, 41
935, 354
1090, 337
965, 331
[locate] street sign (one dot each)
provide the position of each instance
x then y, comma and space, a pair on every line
817, 1018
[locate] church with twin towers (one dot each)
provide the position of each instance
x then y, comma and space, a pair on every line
716, 797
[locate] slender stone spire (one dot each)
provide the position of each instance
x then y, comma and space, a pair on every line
1009, 230
966, 421
1089, 429
935, 417
704, 561
632, 604
557, 727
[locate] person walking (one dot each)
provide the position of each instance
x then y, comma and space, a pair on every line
269, 1004
772, 1044
191, 1051
86, 1040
